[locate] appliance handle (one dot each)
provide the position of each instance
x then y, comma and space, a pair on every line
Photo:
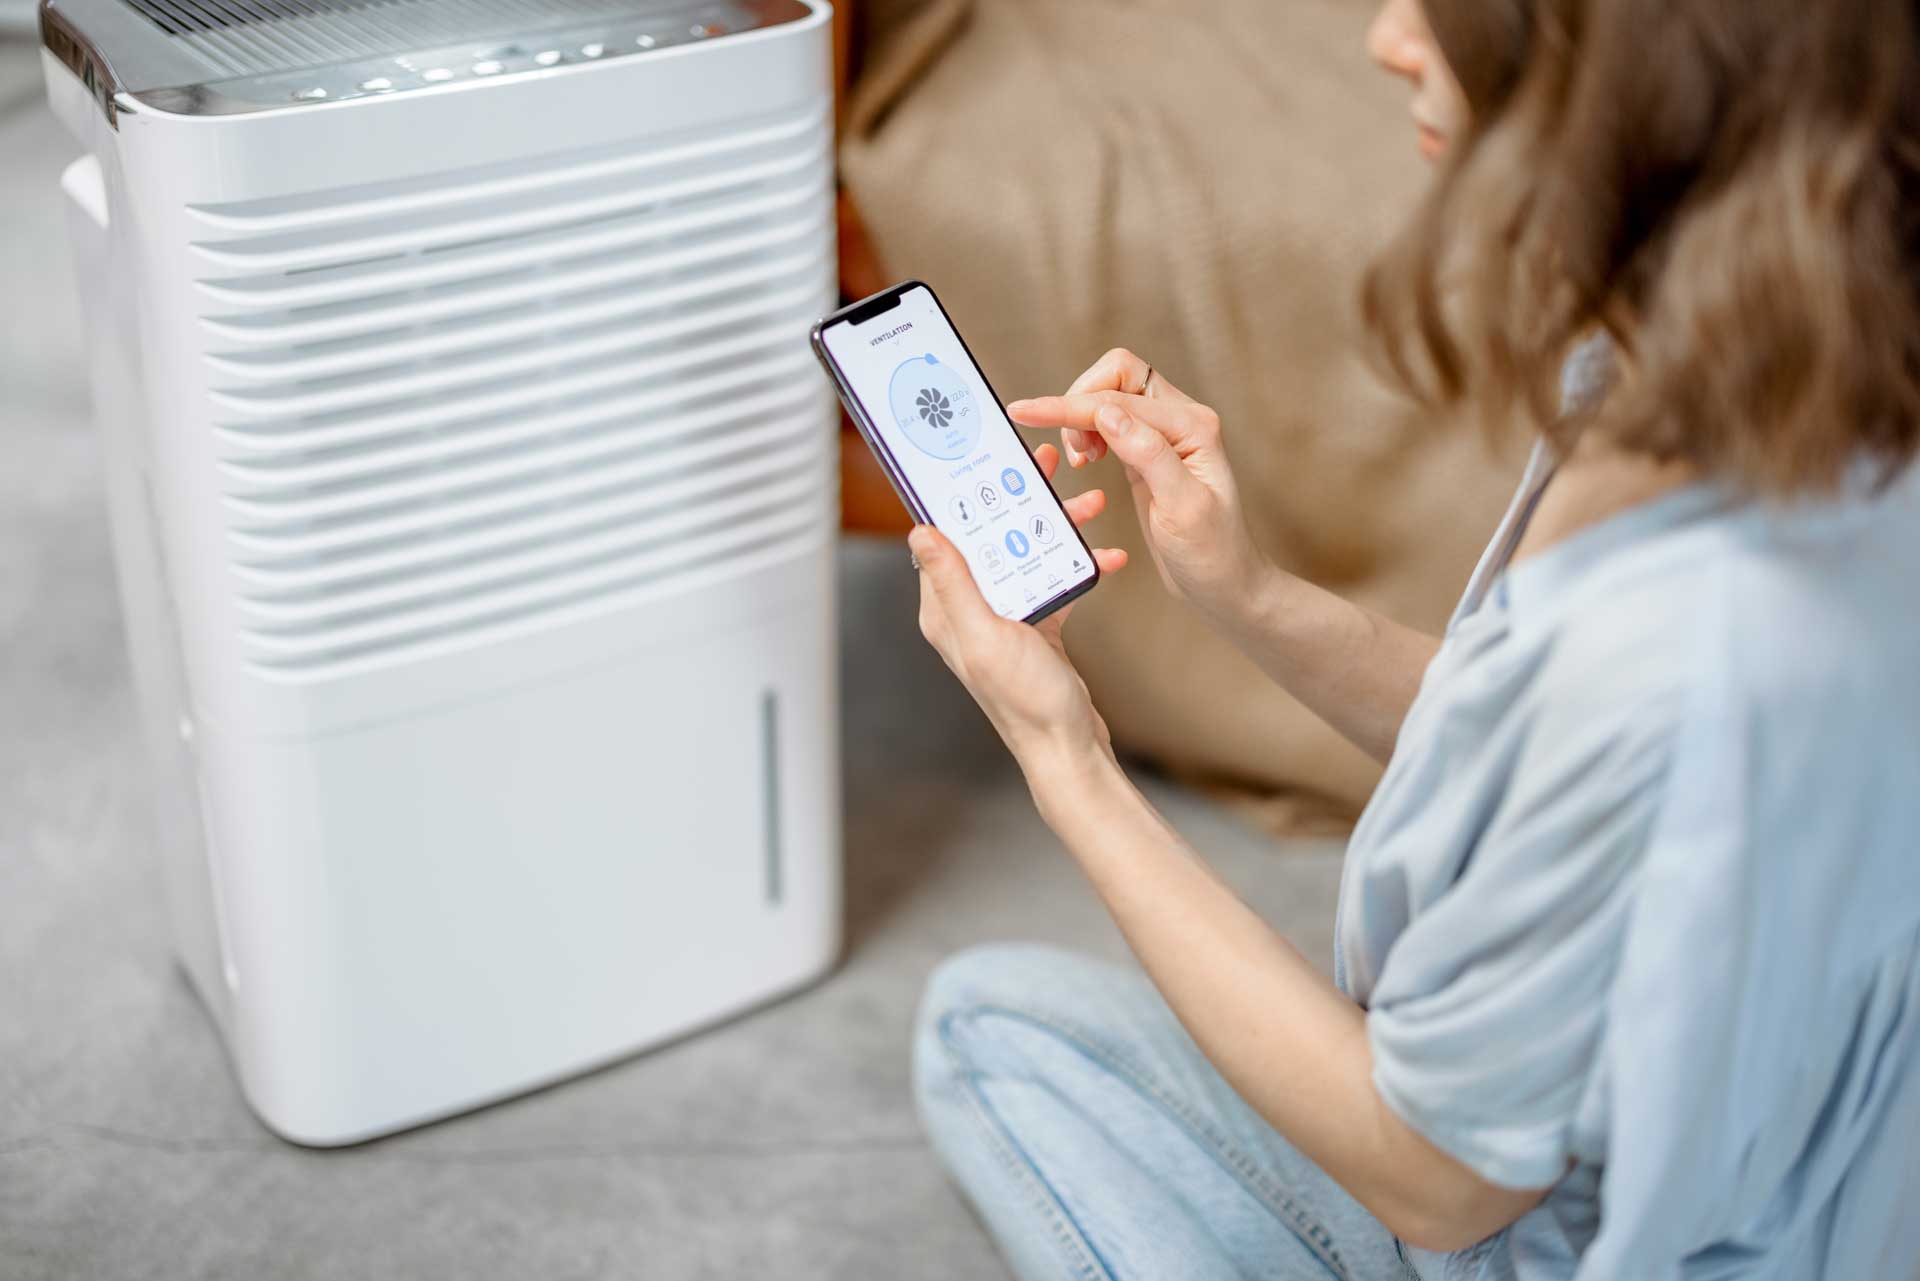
85, 186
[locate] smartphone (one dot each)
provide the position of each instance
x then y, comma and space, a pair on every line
927, 412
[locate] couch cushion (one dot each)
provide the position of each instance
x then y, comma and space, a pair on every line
1203, 184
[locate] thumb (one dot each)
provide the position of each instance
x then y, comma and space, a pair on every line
1053, 624
944, 571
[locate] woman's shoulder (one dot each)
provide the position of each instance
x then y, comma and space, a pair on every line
1772, 656
1696, 665
1747, 671
1802, 611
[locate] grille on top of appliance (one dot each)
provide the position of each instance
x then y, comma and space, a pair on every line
256, 38
455, 409
177, 17
259, 37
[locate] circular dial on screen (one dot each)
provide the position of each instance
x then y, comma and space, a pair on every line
934, 408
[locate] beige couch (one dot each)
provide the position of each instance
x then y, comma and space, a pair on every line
1202, 182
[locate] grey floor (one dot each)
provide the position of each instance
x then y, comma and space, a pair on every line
783, 1142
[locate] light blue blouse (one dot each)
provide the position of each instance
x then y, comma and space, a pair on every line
1635, 911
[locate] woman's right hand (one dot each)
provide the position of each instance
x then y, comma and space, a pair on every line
1183, 486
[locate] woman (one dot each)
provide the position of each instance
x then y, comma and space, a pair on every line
1628, 962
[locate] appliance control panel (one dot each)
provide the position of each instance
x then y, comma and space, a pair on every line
653, 31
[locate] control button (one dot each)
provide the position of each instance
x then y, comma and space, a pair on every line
546, 57
645, 42
1013, 482
1017, 544
593, 50
989, 497
990, 557
379, 84
488, 67
436, 74
314, 94
1042, 528
963, 510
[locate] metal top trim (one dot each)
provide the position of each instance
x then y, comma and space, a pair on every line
293, 53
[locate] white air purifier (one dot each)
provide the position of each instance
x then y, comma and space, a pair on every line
473, 493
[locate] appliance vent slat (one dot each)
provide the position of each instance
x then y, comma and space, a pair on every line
615, 501
506, 446
353, 512
706, 506
450, 413
702, 567
656, 309
266, 216
328, 455
505, 220
395, 626
620, 351
273, 541
688, 275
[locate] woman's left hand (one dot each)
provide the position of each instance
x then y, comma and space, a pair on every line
1019, 674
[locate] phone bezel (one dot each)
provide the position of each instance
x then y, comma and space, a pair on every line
886, 300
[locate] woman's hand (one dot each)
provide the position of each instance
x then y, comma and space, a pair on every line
1183, 486
1019, 674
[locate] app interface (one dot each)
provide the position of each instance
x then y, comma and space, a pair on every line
956, 449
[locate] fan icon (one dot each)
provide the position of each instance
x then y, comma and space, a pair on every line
934, 408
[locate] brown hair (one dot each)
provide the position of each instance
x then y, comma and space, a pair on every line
1727, 186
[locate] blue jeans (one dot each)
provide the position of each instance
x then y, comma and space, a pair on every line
1097, 1143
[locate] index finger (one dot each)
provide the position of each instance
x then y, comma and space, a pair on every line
1121, 370
1172, 419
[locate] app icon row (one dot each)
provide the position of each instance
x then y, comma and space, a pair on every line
1019, 543
968, 508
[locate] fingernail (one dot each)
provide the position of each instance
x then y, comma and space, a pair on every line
1014, 405
1116, 421
920, 540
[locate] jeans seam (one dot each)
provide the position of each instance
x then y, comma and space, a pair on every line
1237, 1163
1067, 1232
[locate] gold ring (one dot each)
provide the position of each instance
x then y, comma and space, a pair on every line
1146, 382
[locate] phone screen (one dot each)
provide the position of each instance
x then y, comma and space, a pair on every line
927, 410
